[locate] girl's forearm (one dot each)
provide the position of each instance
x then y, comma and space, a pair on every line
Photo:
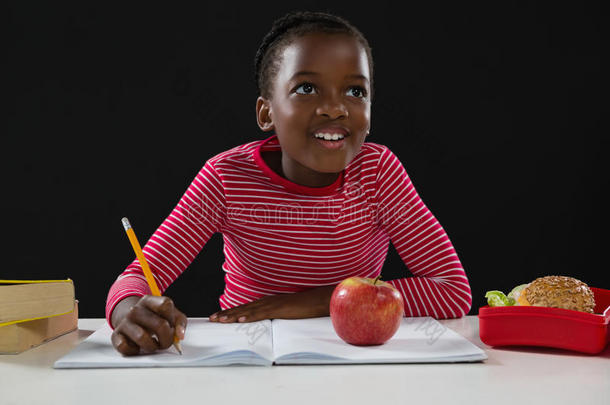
321, 297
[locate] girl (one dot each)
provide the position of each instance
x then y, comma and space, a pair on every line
300, 210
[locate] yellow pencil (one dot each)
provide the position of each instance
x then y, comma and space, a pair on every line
147, 273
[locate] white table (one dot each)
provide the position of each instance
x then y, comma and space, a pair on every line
515, 376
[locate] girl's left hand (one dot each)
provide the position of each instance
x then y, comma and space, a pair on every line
311, 303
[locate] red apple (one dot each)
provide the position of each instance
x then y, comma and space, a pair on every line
366, 311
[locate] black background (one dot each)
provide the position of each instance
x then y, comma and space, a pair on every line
494, 109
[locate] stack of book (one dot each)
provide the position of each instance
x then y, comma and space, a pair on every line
34, 312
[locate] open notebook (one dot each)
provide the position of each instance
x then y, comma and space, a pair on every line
281, 341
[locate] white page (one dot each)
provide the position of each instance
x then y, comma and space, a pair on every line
206, 344
418, 340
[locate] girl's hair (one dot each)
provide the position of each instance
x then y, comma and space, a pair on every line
294, 25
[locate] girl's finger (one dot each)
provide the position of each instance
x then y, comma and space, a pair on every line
124, 345
230, 316
163, 306
215, 316
180, 321
139, 336
153, 324
222, 316
226, 318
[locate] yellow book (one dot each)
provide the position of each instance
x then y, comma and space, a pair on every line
18, 337
27, 300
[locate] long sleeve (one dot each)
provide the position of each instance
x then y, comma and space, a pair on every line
199, 214
439, 286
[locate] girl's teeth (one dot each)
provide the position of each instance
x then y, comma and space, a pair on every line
329, 137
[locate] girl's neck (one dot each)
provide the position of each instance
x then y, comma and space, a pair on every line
273, 159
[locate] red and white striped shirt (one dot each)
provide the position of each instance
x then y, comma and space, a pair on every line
281, 237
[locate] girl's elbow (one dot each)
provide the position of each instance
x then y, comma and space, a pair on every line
465, 305
462, 304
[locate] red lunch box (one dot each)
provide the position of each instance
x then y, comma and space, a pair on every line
550, 327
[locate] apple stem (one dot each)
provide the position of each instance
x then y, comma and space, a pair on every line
376, 278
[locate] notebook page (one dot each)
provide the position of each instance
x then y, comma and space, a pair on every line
206, 344
418, 340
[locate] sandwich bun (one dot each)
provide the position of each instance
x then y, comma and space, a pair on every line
558, 292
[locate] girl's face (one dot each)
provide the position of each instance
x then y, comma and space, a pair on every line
322, 86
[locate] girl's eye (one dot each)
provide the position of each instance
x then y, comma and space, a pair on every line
307, 88
359, 91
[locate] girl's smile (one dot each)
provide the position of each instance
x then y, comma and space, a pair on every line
319, 108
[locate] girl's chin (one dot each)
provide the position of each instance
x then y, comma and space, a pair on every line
329, 165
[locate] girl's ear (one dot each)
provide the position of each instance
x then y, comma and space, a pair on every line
263, 114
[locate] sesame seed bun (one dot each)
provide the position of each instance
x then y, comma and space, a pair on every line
558, 292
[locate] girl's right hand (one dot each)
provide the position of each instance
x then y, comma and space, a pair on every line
146, 324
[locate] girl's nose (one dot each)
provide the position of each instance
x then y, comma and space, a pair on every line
332, 107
